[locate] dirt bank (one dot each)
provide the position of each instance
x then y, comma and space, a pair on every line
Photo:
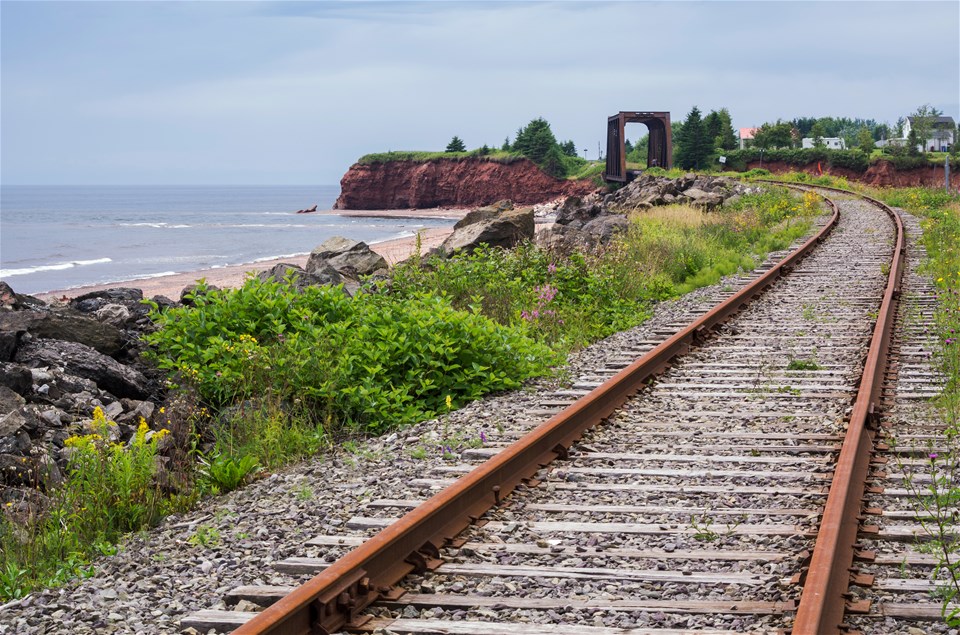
880, 174
450, 182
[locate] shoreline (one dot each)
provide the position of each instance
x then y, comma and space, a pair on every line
393, 251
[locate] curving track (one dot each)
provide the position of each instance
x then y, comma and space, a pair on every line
696, 506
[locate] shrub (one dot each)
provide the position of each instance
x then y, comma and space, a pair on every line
372, 360
109, 489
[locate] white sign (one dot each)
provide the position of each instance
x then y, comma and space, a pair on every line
723, 159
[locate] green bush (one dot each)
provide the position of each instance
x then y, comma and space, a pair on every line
371, 361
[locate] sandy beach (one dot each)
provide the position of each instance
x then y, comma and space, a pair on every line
170, 286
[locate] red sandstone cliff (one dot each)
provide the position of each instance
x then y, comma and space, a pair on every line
879, 174
450, 182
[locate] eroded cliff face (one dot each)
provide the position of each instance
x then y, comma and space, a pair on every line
450, 183
880, 174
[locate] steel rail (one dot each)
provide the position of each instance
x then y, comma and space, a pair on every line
332, 599
823, 600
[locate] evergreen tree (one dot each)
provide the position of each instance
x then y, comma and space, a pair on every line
506, 145
693, 145
456, 145
569, 148
535, 140
728, 137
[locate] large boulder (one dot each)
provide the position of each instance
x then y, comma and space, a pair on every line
85, 362
603, 228
508, 229
66, 325
484, 213
352, 257
702, 198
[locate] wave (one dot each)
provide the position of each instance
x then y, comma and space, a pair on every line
269, 258
156, 225
7, 273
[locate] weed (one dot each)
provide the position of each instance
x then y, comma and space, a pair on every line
803, 364
205, 536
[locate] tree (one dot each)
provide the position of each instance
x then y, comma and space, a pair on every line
552, 162
693, 146
898, 127
506, 145
638, 154
922, 124
534, 140
774, 135
456, 145
569, 148
817, 131
865, 140
727, 136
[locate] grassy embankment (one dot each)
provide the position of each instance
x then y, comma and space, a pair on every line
937, 500
264, 375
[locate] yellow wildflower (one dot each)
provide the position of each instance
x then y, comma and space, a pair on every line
449, 402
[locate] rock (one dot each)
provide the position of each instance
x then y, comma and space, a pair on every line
576, 212
85, 362
16, 378
605, 227
163, 302
8, 345
506, 230
8, 299
700, 198
66, 326
484, 213
189, 292
344, 254
95, 300
113, 314
325, 275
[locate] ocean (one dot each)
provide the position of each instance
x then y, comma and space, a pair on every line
61, 237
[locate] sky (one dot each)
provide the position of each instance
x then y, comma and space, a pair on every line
234, 93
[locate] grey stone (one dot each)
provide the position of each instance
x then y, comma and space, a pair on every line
324, 275
16, 378
345, 255
113, 314
506, 230
66, 326
85, 362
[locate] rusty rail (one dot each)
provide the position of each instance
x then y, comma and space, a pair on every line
823, 601
334, 598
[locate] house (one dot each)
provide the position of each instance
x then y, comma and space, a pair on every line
942, 134
747, 134
833, 143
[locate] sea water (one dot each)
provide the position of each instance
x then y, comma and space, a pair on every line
60, 237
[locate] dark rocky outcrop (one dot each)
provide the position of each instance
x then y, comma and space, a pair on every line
83, 361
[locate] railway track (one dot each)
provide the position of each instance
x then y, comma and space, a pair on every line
719, 499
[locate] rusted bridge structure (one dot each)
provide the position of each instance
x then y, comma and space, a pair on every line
659, 150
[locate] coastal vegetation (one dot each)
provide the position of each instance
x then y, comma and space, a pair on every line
535, 141
267, 374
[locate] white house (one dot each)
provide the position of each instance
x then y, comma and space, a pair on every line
833, 143
942, 134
